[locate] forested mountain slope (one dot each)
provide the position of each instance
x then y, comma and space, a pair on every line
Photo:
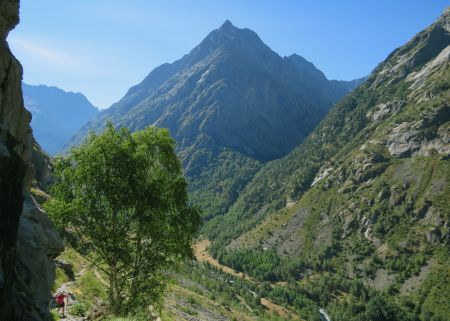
364, 197
231, 104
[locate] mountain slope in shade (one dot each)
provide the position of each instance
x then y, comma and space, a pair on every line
56, 114
231, 100
359, 213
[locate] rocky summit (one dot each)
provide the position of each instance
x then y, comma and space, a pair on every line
230, 73
231, 104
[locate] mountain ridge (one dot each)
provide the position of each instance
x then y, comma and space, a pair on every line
56, 114
226, 36
231, 100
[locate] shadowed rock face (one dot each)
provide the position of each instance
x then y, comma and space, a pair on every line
14, 137
29, 242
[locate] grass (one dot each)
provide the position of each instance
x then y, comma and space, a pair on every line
129, 318
90, 288
79, 309
60, 278
166, 316
71, 256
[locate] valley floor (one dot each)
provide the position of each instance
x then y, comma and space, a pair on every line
202, 255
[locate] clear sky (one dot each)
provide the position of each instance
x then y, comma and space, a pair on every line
102, 47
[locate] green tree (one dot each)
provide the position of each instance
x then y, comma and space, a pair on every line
124, 197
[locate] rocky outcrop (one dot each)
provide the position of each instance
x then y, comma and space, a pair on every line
38, 243
407, 139
29, 242
42, 168
384, 110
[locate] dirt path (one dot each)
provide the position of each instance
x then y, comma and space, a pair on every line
202, 255
281, 311
67, 288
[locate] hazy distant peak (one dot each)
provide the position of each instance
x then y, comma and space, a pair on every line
45, 91
57, 114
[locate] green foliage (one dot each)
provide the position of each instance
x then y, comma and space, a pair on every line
231, 293
131, 317
91, 288
434, 295
55, 315
217, 181
262, 265
80, 309
123, 195
60, 278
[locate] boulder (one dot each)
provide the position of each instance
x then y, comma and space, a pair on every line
384, 110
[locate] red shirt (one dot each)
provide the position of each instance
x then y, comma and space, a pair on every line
60, 298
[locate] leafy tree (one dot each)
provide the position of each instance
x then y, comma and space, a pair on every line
124, 197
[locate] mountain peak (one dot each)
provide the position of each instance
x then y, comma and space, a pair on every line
228, 35
228, 28
227, 24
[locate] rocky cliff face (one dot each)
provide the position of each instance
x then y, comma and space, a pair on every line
28, 242
15, 136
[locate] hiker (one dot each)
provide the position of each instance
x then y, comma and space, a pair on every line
60, 302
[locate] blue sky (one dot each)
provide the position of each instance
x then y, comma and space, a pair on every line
102, 47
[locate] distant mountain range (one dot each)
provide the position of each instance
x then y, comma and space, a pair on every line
231, 104
56, 114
